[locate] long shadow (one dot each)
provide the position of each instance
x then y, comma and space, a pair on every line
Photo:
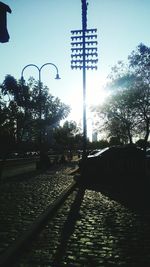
133, 196
69, 226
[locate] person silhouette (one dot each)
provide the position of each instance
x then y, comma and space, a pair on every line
4, 35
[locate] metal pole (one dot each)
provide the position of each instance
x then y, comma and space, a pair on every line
40, 115
84, 21
84, 102
84, 56
40, 104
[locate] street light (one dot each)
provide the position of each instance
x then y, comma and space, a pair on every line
84, 57
40, 107
39, 70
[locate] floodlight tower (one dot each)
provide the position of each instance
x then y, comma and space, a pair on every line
84, 57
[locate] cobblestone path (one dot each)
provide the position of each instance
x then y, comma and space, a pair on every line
92, 230
22, 199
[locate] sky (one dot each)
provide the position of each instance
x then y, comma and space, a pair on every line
40, 32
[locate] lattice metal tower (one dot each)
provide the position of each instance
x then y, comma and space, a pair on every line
84, 57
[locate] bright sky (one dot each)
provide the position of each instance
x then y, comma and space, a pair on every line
40, 33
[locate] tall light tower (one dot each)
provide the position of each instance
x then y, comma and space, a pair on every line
84, 57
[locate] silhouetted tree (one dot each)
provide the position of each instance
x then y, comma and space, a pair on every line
126, 113
68, 136
23, 102
20, 116
118, 115
139, 61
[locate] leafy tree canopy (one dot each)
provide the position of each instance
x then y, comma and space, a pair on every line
126, 112
24, 112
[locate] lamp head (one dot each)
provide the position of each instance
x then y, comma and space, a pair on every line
57, 77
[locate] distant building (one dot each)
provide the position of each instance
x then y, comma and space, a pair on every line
94, 136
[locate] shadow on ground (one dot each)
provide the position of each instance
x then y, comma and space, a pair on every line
69, 226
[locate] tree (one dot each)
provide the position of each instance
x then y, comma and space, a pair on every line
68, 136
139, 61
127, 112
118, 116
22, 114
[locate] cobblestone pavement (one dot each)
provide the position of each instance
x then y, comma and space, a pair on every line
92, 230
23, 198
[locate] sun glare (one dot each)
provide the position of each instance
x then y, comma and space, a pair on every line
95, 95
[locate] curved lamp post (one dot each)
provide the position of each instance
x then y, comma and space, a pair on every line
40, 88
39, 70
